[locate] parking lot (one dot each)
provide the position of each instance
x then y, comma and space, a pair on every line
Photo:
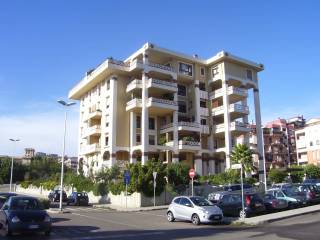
85, 223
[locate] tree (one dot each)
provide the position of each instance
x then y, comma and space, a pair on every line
312, 171
276, 176
242, 154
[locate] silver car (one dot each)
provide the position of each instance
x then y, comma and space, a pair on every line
195, 209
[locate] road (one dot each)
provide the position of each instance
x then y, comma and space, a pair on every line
84, 223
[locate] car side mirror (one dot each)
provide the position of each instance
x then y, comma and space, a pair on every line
189, 205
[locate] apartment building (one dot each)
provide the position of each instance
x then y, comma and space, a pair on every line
308, 143
167, 105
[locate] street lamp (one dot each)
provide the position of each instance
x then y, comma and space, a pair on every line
65, 104
14, 141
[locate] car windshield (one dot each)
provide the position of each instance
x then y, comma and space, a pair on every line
291, 191
25, 204
200, 201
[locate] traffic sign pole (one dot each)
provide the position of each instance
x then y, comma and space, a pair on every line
126, 195
154, 187
191, 175
192, 186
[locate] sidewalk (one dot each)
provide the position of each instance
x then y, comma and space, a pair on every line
279, 216
123, 209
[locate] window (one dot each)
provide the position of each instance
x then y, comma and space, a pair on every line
202, 86
203, 104
182, 107
318, 142
202, 72
138, 138
108, 84
151, 124
311, 144
177, 200
107, 141
185, 202
182, 90
152, 140
107, 124
185, 69
215, 71
203, 121
249, 74
138, 123
107, 106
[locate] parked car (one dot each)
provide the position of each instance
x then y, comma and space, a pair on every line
24, 214
237, 187
311, 191
195, 209
231, 204
290, 194
315, 181
4, 196
54, 196
78, 198
273, 204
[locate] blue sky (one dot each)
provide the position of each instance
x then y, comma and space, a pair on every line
46, 47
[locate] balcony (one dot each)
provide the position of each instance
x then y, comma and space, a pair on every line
134, 104
94, 115
156, 67
203, 94
89, 149
134, 84
182, 126
205, 129
153, 83
216, 77
204, 111
235, 127
189, 145
161, 106
235, 94
92, 131
238, 110
301, 144
164, 85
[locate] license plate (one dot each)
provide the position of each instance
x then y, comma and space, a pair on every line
216, 217
33, 226
258, 204
304, 203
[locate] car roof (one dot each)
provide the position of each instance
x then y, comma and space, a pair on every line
23, 197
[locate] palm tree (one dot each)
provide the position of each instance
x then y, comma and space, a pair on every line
243, 154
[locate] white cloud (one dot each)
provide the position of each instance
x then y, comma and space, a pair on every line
41, 130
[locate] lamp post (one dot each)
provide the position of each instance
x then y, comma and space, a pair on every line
14, 141
65, 104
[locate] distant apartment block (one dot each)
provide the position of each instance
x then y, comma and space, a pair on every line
167, 105
308, 143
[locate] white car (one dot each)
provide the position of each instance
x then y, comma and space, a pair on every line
195, 209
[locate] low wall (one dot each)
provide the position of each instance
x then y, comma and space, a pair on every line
134, 200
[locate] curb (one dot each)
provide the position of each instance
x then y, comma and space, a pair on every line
120, 209
57, 211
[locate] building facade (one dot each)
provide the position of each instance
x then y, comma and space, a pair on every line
166, 105
308, 143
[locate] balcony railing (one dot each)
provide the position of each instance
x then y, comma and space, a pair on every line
189, 143
205, 129
166, 126
203, 94
162, 101
136, 83
90, 148
160, 66
231, 89
239, 107
204, 111
161, 82
92, 130
181, 124
134, 101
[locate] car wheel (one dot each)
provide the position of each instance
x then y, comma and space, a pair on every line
195, 219
8, 232
242, 214
170, 216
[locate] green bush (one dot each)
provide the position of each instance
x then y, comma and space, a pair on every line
312, 171
116, 187
100, 189
276, 176
25, 184
250, 180
50, 184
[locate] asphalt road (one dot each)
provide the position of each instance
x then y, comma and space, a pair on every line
88, 223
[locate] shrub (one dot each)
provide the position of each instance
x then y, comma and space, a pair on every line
276, 176
25, 184
116, 187
100, 189
312, 171
49, 185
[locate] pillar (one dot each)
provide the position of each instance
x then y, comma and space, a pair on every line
198, 164
175, 127
197, 101
144, 115
262, 166
113, 119
246, 121
227, 133
212, 166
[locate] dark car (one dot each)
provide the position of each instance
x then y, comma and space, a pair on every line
231, 204
311, 191
24, 214
273, 204
78, 198
4, 196
237, 187
54, 196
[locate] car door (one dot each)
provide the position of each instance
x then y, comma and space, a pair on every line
186, 208
226, 204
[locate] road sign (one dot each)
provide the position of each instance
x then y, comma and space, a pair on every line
236, 166
126, 177
192, 173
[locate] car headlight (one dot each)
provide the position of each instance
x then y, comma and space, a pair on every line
47, 219
204, 211
15, 219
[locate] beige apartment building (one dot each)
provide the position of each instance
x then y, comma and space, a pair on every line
308, 143
167, 105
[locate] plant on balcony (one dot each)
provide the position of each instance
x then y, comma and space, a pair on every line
162, 140
188, 138
168, 96
243, 154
